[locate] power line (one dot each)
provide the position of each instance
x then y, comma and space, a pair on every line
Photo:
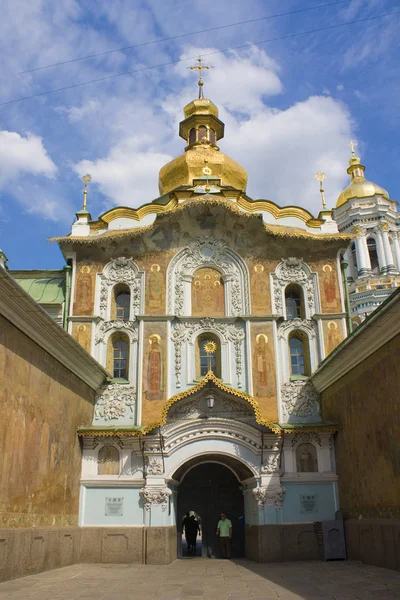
175, 62
181, 35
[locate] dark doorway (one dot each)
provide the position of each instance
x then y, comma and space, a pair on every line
209, 489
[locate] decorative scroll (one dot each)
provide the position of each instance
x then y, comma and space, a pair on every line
269, 496
115, 402
155, 497
299, 399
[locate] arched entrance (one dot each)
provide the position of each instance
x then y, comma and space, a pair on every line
208, 486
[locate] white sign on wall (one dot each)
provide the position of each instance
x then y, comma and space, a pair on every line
114, 507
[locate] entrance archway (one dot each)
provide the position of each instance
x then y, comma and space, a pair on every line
208, 487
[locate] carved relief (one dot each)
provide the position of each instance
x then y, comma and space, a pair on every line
155, 497
184, 331
131, 327
270, 496
271, 463
306, 437
293, 270
115, 402
308, 326
299, 398
154, 465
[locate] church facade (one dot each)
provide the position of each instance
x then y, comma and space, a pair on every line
210, 311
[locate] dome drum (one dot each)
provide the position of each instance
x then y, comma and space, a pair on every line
206, 127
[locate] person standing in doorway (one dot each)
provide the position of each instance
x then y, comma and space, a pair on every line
224, 532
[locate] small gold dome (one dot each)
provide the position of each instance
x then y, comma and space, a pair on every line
189, 166
359, 187
201, 129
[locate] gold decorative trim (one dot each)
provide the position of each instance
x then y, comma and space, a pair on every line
173, 207
280, 212
224, 388
320, 428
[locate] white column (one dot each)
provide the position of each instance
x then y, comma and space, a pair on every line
388, 252
396, 246
363, 262
381, 252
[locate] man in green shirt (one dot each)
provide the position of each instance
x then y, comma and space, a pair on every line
224, 531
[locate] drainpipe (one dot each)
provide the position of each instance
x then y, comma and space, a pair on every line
67, 270
343, 265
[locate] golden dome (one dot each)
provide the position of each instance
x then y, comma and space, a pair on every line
201, 129
359, 187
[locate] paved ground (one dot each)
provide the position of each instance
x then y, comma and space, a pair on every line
210, 580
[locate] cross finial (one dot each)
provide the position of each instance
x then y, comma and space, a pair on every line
353, 144
200, 67
86, 180
321, 177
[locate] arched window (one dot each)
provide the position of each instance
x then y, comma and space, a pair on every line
211, 134
208, 296
373, 254
202, 133
294, 302
108, 461
306, 458
118, 356
208, 360
192, 136
120, 302
299, 354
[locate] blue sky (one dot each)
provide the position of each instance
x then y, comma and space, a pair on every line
290, 106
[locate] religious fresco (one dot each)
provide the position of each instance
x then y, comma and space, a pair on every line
263, 369
208, 296
82, 332
85, 282
328, 285
306, 458
154, 370
260, 285
155, 267
333, 335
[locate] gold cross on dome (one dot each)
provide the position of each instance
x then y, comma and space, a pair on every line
353, 144
86, 180
200, 68
321, 177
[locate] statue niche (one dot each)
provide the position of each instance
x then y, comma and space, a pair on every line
208, 297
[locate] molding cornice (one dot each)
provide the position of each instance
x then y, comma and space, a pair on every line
24, 313
378, 329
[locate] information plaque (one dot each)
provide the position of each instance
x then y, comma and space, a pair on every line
114, 507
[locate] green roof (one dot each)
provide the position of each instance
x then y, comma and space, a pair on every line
45, 287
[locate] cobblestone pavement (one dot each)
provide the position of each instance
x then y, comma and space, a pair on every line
210, 580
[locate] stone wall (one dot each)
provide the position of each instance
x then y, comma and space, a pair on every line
42, 405
365, 404
274, 543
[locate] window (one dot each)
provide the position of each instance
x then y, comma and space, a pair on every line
294, 302
120, 359
192, 136
211, 134
208, 360
108, 461
306, 458
122, 302
296, 356
373, 254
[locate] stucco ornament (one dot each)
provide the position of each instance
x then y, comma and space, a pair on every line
155, 497
115, 402
130, 327
184, 332
121, 270
299, 398
154, 465
293, 270
305, 438
307, 325
269, 496
271, 463
214, 253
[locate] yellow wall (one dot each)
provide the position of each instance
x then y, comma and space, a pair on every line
365, 404
42, 404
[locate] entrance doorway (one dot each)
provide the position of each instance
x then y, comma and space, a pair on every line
209, 489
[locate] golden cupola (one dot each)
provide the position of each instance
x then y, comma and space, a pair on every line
201, 129
359, 187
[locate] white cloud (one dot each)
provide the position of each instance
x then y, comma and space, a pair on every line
127, 176
20, 156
